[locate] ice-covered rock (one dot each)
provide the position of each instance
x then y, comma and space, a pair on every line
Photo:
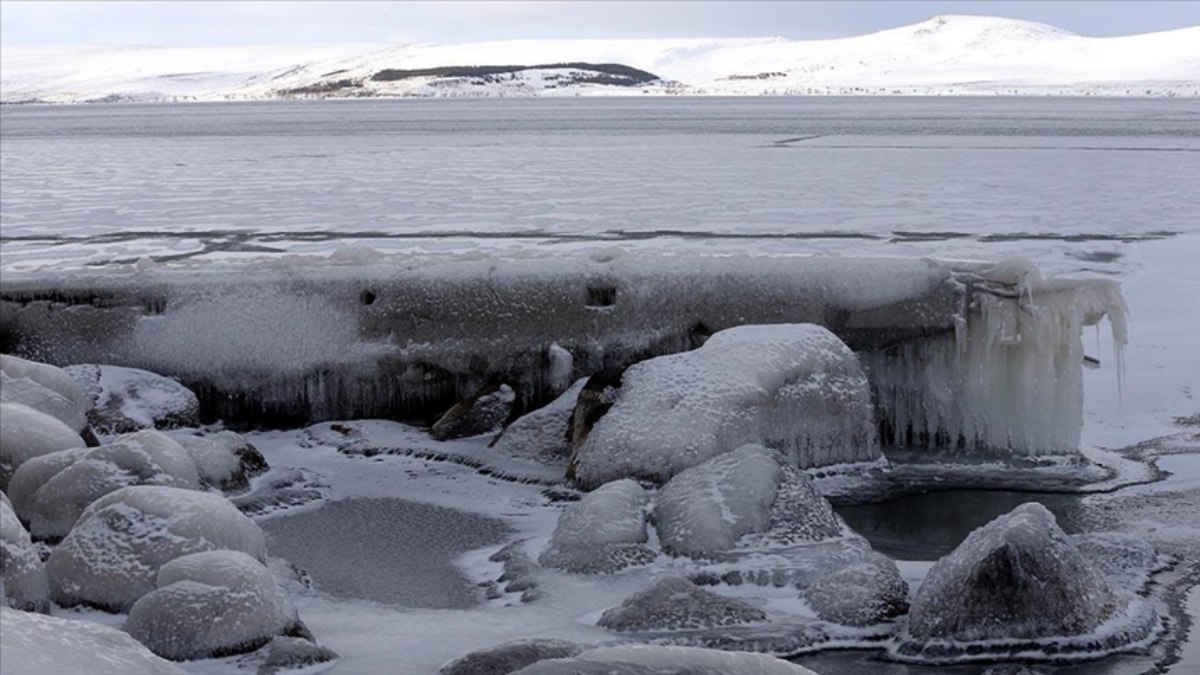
213, 603
22, 575
674, 603
862, 593
44, 388
289, 653
129, 399
113, 554
603, 532
664, 660
26, 433
593, 402
35, 644
483, 413
508, 657
1017, 577
543, 434
141, 458
792, 387
225, 460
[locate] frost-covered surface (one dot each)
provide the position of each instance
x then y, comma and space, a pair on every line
54, 489
484, 413
942, 55
793, 387
543, 434
129, 399
113, 554
223, 459
674, 603
26, 433
509, 657
604, 531
653, 660
34, 644
43, 387
860, 594
23, 583
213, 603
1127, 560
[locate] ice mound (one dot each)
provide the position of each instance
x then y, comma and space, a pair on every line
483, 413
129, 399
209, 604
52, 500
509, 657
1015, 585
793, 387
33, 644
26, 433
605, 531
288, 653
21, 570
225, 460
113, 554
862, 593
543, 434
664, 660
44, 388
674, 603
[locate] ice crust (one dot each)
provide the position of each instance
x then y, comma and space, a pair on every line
862, 593
34, 644
26, 433
603, 532
793, 387
113, 554
212, 603
141, 458
129, 399
543, 434
22, 573
674, 603
44, 388
664, 660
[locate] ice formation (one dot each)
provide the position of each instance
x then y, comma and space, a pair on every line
509, 657
603, 532
793, 387
112, 555
289, 653
862, 593
52, 500
483, 413
212, 603
44, 388
674, 603
33, 644
543, 434
129, 399
26, 433
664, 660
224, 459
1128, 561
22, 575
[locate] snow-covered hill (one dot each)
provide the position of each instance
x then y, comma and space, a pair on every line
944, 55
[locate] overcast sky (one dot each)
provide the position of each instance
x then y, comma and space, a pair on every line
213, 23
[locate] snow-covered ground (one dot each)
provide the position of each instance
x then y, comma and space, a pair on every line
945, 55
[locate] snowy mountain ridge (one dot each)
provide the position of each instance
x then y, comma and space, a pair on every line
944, 55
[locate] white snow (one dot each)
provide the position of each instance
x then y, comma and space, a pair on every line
26, 433
45, 388
112, 555
792, 387
34, 644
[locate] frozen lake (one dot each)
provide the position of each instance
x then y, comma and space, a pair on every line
96, 184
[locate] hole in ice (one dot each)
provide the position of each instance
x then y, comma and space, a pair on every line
367, 297
601, 295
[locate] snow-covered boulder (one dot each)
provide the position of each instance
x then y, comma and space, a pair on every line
603, 532
22, 575
543, 434
674, 603
113, 554
706, 509
35, 644
129, 399
483, 413
213, 603
284, 653
664, 660
508, 657
225, 460
792, 387
141, 458
862, 593
26, 433
1017, 577
44, 388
